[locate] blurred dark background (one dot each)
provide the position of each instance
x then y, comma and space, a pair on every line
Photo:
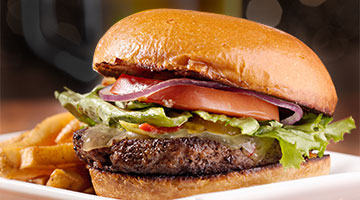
48, 44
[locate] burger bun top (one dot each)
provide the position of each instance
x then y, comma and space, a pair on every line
221, 48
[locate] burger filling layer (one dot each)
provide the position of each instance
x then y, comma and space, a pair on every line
253, 130
203, 155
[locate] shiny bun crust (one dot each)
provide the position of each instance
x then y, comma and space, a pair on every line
124, 186
226, 49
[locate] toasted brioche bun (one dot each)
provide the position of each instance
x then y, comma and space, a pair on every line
215, 47
125, 186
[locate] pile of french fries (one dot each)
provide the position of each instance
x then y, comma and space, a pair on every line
45, 155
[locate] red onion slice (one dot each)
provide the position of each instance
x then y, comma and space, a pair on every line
298, 112
106, 95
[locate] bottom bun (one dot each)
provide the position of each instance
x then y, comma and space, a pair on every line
124, 186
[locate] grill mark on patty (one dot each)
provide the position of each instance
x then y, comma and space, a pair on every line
179, 156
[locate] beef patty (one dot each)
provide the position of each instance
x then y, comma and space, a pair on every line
179, 156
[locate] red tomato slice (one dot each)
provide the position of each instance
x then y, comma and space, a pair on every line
126, 84
192, 97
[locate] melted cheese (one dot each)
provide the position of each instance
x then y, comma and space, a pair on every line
102, 136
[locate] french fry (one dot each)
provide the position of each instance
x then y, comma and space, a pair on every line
14, 139
44, 133
89, 190
66, 133
42, 180
71, 179
8, 170
11, 156
45, 155
26, 174
10, 160
8, 165
48, 157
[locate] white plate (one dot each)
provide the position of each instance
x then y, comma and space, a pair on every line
343, 182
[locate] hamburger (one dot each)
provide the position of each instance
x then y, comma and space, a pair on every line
202, 102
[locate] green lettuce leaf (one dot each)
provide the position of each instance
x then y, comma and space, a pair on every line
68, 100
247, 125
336, 130
294, 143
92, 110
134, 105
313, 132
